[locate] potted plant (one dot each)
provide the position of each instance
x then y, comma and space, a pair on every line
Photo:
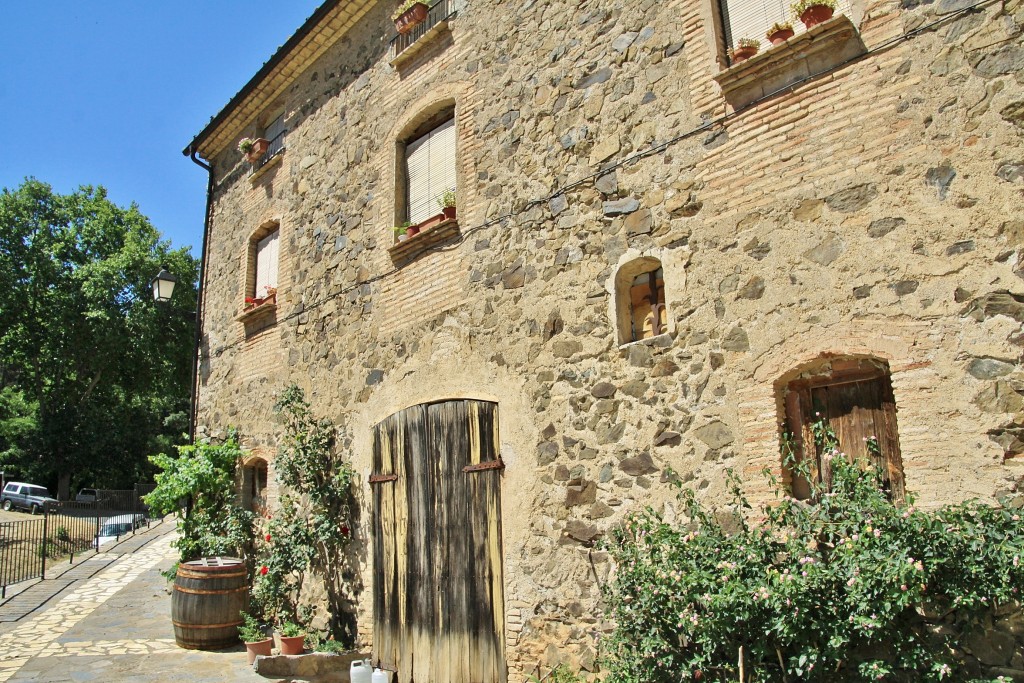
780, 32
252, 634
401, 232
446, 200
745, 49
409, 14
410, 229
253, 148
293, 638
813, 12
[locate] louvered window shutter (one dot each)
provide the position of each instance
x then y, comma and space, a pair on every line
753, 18
266, 263
430, 169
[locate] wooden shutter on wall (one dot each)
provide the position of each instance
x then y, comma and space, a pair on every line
266, 262
430, 170
856, 407
753, 18
438, 595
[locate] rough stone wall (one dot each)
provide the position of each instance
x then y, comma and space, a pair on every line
874, 210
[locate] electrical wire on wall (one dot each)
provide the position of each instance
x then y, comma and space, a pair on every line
653, 150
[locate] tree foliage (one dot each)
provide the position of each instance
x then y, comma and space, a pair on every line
847, 588
93, 375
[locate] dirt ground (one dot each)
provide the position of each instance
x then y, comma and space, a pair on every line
13, 516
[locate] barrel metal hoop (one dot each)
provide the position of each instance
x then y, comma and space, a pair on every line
181, 625
198, 591
188, 574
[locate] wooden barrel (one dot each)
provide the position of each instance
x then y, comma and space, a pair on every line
209, 595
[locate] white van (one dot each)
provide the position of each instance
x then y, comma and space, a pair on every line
116, 527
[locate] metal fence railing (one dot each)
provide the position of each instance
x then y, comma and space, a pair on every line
67, 529
440, 11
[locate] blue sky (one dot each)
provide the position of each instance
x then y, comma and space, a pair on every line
108, 93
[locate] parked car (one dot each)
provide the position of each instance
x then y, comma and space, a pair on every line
116, 527
86, 496
29, 497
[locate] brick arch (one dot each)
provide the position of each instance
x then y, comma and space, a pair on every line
454, 96
903, 345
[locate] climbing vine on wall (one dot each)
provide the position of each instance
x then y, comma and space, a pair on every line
308, 533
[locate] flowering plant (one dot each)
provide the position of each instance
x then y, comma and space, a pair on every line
846, 587
246, 145
404, 7
310, 532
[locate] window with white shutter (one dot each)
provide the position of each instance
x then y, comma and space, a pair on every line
753, 18
430, 171
266, 263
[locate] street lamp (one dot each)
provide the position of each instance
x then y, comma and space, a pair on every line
163, 285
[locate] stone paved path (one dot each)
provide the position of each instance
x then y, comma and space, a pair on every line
112, 622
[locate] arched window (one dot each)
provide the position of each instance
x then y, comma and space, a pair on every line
427, 166
264, 251
852, 397
254, 485
641, 312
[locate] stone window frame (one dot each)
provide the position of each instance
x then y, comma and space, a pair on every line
794, 396
632, 264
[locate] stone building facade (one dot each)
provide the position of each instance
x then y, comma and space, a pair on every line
851, 199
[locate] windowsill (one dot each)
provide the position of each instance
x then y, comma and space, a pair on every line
403, 252
266, 166
663, 339
818, 49
262, 310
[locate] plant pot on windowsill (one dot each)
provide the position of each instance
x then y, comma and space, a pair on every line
259, 647
449, 212
779, 33
746, 49
814, 12
259, 148
407, 20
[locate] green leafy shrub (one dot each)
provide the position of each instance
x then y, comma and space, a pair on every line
251, 630
847, 588
331, 646
210, 523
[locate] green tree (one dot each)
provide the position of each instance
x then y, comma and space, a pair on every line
93, 374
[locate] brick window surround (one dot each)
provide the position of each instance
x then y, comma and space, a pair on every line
854, 397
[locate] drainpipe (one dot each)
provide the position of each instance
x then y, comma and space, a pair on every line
191, 152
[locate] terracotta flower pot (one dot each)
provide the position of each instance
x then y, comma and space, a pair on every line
412, 230
741, 53
816, 14
260, 647
449, 212
780, 37
293, 645
259, 148
406, 21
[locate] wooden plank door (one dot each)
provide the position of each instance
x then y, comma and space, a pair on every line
438, 594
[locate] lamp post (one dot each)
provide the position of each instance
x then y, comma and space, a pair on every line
163, 287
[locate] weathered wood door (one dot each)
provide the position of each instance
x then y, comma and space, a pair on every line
437, 597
